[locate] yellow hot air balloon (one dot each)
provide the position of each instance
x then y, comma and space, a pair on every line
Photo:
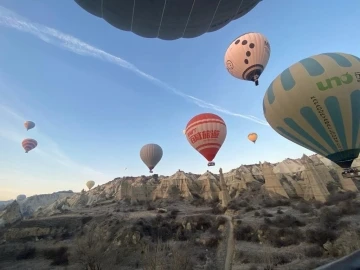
253, 137
184, 131
316, 104
247, 56
90, 184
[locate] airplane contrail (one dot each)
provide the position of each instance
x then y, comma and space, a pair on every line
55, 37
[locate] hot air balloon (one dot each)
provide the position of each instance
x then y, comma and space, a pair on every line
253, 137
184, 131
151, 154
206, 132
29, 144
21, 197
90, 184
29, 125
168, 20
247, 56
316, 104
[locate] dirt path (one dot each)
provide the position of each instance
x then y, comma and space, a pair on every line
230, 246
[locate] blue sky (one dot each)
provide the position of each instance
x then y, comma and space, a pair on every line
98, 94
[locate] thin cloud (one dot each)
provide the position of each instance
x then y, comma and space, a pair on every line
52, 36
47, 147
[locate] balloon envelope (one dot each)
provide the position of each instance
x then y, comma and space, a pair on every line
90, 184
316, 104
206, 132
168, 20
29, 125
29, 144
247, 56
253, 137
151, 154
21, 197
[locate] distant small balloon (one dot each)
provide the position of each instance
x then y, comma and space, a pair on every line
29, 144
253, 137
151, 154
21, 197
90, 184
29, 125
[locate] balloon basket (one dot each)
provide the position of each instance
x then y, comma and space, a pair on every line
211, 164
350, 173
150, 171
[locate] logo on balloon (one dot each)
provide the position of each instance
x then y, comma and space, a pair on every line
208, 134
357, 75
336, 81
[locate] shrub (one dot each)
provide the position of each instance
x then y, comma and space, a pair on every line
237, 204
85, 220
249, 208
173, 214
221, 221
218, 210
284, 221
26, 253
340, 196
349, 207
319, 235
265, 213
303, 207
245, 233
329, 217
269, 202
314, 251
59, 256
283, 237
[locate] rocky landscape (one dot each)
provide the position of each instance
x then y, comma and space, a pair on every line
296, 214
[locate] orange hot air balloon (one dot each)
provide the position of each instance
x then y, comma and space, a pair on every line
253, 137
29, 144
206, 132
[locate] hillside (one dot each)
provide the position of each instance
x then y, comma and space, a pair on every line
296, 214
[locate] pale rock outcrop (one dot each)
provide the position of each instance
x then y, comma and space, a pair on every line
272, 183
142, 189
246, 174
296, 185
315, 187
3, 204
257, 172
289, 166
224, 195
209, 186
177, 183
10, 214
321, 169
32, 203
58, 207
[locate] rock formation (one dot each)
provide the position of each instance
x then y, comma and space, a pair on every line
10, 214
315, 187
224, 193
308, 177
272, 183
209, 186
